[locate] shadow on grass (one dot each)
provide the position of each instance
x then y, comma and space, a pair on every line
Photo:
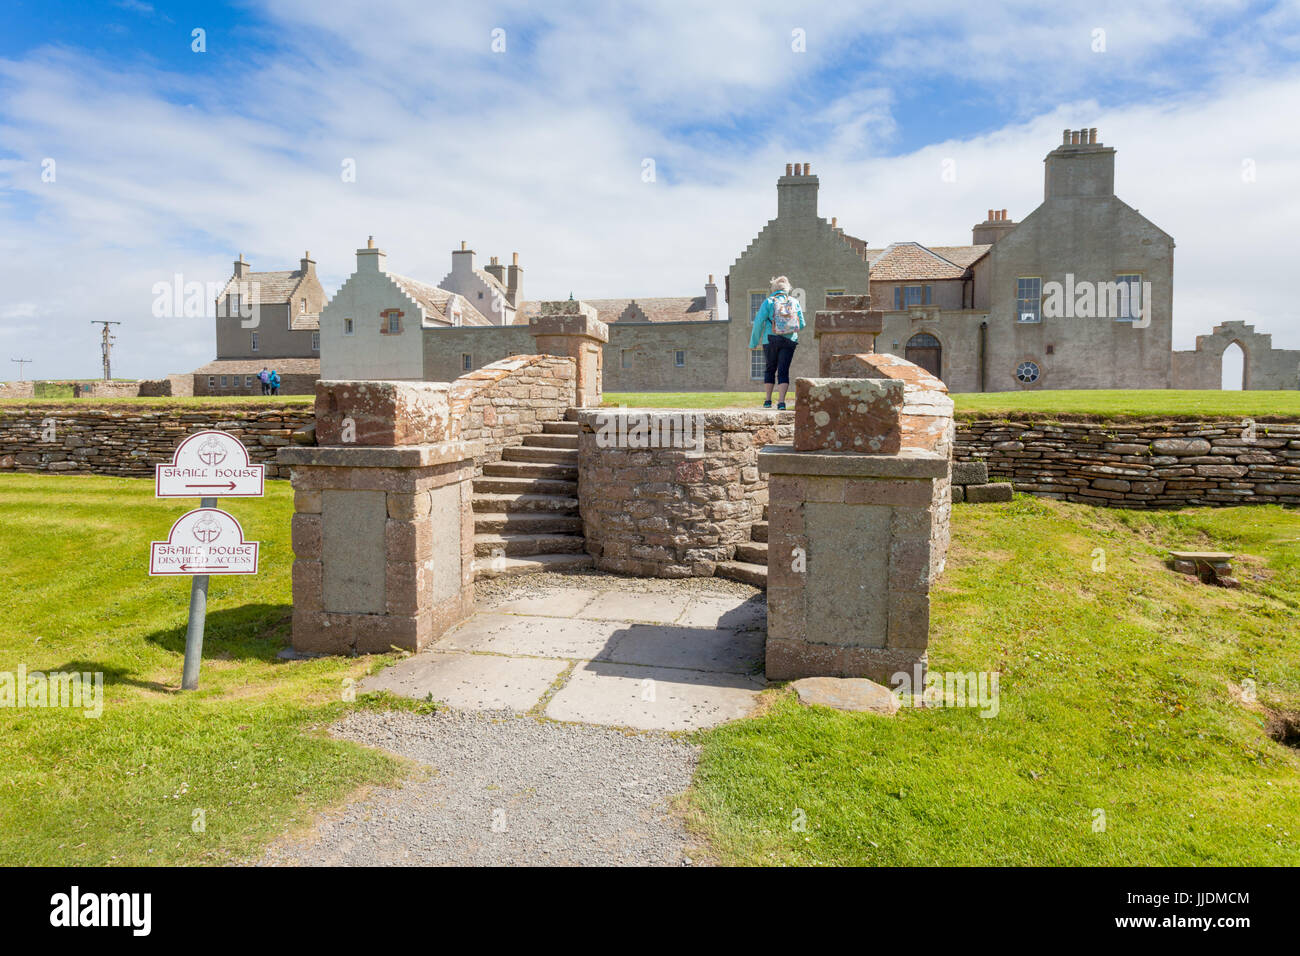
254, 632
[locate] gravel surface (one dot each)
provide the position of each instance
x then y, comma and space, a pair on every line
508, 587
507, 791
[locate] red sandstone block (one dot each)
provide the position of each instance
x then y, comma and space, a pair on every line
305, 535
889, 491
848, 415
307, 585
383, 413
407, 540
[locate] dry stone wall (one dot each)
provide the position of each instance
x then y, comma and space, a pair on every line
1140, 464
667, 507
501, 403
130, 440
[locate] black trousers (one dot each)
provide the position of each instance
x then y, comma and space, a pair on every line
779, 351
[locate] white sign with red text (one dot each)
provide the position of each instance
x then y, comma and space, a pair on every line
204, 541
210, 464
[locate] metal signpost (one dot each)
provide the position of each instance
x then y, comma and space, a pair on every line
207, 540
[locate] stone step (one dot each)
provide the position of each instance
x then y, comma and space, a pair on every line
521, 545
758, 531
488, 568
752, 552
526, 522
546, 440
557, 456
525, 469
571, 415
755, 574
765, 511
501, 485
560, 428
516, 503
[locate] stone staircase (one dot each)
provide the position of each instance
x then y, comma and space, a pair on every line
526, 507
750, 563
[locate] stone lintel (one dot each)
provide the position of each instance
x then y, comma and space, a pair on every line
382, 412
908, 463
849, 303
402, 456
849, 321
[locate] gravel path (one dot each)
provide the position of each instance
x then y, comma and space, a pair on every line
507, 791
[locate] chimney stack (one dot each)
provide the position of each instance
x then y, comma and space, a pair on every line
796, 193
307, 263
496, 270
241, 267
1072, 172
371, 258
711, 298
515, 281
992, 229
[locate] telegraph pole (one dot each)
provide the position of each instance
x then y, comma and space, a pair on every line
106, 346
21, 363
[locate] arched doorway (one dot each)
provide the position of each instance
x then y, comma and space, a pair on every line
925, 350
1233, 365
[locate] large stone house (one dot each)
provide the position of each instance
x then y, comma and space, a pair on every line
265, 320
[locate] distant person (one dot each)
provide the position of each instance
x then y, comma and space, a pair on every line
265, 378
275, 382
776, 328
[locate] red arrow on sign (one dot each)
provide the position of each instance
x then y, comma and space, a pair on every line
195, 567
230, 486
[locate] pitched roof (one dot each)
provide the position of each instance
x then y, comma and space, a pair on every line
911, 260
285, 366
266, 288
653, 309
433, 301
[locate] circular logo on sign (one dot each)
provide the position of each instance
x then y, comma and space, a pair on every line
211, 452
207, 529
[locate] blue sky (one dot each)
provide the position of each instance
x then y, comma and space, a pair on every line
173, 161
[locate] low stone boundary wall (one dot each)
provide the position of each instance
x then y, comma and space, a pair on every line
1140, 464
501, 403
128, 441
653, 508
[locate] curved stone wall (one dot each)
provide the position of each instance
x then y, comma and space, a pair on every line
670, 493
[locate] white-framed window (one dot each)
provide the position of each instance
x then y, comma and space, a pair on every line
315, 341
348, 326
757, 364
756, 300
1029, 299
248, 381
212, 381
223, 381
233, 305
467, 361
302, 306
624, 358
394, 322
1130, 297
254, 342
679, 358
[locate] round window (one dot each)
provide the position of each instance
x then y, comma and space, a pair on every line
1027, 372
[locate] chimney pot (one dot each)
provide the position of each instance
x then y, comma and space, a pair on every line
788, 168
710, 278
1092, 136
515, 261
834, 221
462, 245
370, 243
807, 169
1004, 214
1065, 137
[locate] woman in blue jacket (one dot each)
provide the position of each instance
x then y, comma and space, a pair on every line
776, 327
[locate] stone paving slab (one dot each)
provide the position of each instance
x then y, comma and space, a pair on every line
470, 681
653, 698
557, 602
725, 611
533, 636
636, 606
694, 648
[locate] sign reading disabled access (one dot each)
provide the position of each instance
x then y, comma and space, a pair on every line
204, 541
210, 464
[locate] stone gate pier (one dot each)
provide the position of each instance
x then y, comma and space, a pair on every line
859, 506
383, 532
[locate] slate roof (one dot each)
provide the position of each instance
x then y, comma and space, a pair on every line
285, 366
651, 309
904, 261
268, 288
434, 301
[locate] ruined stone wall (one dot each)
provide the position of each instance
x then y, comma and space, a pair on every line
672, 511
1140, 464
501, 403
130, 440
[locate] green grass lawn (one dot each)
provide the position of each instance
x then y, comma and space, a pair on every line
1101, 403
201, 401
247, 749
1119, 693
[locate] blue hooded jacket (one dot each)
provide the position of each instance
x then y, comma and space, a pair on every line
763, 321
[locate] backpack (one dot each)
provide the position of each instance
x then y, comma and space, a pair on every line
785, 315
